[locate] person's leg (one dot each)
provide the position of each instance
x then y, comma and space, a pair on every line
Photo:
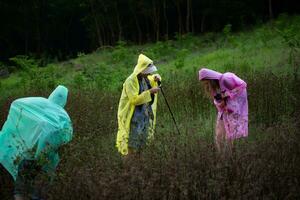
232, 132
18, 197
36, 190
137, 139
220, 135
40, 186
131, 153
40, 183
30, 180
228, 147
23, 180
19, 188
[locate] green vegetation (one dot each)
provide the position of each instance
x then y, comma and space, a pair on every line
62, 28
271, 47
265, 165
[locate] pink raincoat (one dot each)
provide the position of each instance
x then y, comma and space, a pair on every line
235, 113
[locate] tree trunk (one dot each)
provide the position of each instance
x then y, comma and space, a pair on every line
109, 32
138, 28
37, 8
99, 38
156, 21
119, 23
148, 30
203, 23
270, 10
192, 18
112, 35
137, 24
26, 24
103, 33
188, 15
166, 20
67, 32
179, 17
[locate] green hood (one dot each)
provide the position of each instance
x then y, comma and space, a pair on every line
59, 96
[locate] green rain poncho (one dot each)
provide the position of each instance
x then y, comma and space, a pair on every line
34, 130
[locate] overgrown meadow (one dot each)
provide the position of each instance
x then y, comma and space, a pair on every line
266, 165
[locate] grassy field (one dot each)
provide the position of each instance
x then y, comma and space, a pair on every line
186, 166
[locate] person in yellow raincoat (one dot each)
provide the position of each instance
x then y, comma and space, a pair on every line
137, 107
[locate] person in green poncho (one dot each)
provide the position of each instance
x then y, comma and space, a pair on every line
34, 131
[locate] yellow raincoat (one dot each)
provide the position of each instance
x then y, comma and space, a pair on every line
129, 99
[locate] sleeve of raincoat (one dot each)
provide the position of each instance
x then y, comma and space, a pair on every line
134, 97
233, 84
152, 81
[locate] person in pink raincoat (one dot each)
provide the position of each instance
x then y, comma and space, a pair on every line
229, 94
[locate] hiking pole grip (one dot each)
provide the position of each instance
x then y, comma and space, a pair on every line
159, 83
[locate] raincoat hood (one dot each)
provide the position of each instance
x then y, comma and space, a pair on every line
205, 73
142, 64
59, 96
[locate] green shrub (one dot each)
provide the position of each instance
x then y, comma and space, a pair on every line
180, 58
24, 63
44, 80
227, 34
79, 81
159, 50
291, 37
122, 54
4, 73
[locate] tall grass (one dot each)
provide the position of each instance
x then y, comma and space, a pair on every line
186, 166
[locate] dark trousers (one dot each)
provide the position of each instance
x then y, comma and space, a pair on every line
31, 180
6, 184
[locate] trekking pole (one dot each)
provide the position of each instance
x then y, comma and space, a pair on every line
162, 91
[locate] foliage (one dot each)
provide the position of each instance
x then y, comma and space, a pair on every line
121, 54
79, 81
180, 58
60, 28
24, 63
227, 30
256, 50
290, 36
4, 73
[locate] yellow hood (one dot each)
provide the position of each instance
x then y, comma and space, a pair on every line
142, 64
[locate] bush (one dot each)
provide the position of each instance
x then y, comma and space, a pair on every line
123, 54
24, 63
227, 35
160, 50
180, 58
4, 73
290, 36
79, 81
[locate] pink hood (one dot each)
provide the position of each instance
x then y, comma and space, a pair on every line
205, 73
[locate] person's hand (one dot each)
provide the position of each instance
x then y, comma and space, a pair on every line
154, 90
157, 78
224, 95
